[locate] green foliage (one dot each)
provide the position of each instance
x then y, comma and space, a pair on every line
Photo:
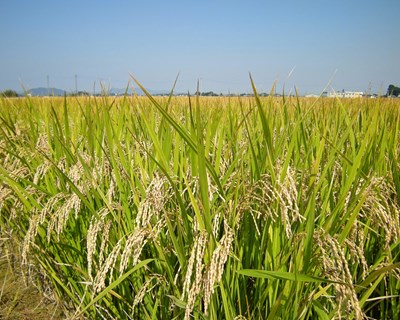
212, 208
9, 93
393, 91
79, 94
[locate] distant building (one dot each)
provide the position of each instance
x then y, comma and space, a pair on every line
346, 94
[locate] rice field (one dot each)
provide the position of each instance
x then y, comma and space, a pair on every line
206, 207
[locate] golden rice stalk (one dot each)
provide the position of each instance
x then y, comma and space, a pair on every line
133, 248
335, 267
96, 225
264, 200
153, 203
355, 244
58, 208
194, 270
145, 289
382, 209
216, 268
30, 235
107, 267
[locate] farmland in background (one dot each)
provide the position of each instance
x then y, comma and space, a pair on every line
206, 207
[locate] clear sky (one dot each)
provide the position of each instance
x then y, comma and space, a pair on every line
215, 42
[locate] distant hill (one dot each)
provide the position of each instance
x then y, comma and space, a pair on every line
40, 92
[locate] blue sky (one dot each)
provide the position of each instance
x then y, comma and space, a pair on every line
215, 42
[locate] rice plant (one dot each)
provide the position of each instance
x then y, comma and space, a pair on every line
206, 208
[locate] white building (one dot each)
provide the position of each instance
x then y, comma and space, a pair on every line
346, 94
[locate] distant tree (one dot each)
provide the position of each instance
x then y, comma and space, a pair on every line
79, 93
209, 94
393, 91
9, 93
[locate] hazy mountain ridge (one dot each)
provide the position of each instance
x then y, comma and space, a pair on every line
42, 92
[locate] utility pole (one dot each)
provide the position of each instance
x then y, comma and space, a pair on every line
48, 85
76, 84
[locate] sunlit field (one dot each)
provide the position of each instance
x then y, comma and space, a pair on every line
206, 207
